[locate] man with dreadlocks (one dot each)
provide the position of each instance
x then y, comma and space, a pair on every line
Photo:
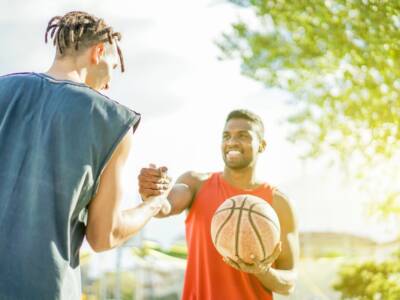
62, 149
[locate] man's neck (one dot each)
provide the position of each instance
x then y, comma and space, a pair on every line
242, 178
67, 70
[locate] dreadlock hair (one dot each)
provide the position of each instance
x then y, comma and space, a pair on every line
78, 30
250, 116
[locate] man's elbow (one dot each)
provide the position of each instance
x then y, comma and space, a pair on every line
102, 242
98, 245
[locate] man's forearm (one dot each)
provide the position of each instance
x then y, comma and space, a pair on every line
179, 199
278, 281
131, 220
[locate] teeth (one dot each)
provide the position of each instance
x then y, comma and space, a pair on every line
234, 152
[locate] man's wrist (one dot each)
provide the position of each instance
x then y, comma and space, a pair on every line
144, 198
154, 204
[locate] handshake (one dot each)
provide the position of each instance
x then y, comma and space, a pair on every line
154, 186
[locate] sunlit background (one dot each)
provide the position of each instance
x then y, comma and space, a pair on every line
184, 92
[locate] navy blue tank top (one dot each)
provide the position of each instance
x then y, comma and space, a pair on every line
55, 139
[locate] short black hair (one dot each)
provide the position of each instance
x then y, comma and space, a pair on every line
250, 116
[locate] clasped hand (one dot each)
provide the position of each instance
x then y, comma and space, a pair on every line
154, 185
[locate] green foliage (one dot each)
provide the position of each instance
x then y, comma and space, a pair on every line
391, 205
341, 61
179, 251
370, 280
149, 247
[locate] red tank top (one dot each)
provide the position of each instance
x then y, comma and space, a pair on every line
207, 277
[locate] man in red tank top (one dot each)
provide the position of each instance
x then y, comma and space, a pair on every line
208, 275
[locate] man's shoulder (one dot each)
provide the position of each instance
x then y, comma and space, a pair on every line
194, 176
194, 179
278, 194
16, 77
282, 204
96, 103
103, 102
279, 198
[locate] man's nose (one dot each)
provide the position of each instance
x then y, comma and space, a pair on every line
232, 141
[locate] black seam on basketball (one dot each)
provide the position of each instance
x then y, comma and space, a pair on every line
236, 264
254, 212
256, 231
224, 223
266, 217
226, 208
238, 228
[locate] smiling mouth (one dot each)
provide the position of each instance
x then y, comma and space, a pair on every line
232, 154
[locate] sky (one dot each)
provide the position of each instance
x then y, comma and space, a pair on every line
184, 92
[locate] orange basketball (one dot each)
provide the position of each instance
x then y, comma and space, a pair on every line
245, 225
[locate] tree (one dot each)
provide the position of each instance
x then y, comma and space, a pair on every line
341, 61
370, 280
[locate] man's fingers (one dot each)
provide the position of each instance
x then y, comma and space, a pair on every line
156, 172
231, 263
244, 266
150, 172
163, 170
153, 179
143, 190
153, 186
277, 251
240, 261
256, 266
275, 254
146, 193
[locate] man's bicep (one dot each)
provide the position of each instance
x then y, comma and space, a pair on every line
289, 256
182, 193
103, 207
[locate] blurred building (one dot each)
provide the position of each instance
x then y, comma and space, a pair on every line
334, 244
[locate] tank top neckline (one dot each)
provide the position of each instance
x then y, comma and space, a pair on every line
43, 75
225, 182
80, 84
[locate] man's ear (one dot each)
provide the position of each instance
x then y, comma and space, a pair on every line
96, 52
263, 145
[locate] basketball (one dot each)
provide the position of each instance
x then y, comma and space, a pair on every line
245, 225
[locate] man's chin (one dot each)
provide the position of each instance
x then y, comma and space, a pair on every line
235, 165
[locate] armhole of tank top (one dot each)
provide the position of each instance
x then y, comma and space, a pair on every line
131, 122
200, 189
271, 192
83, 211
274, 189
